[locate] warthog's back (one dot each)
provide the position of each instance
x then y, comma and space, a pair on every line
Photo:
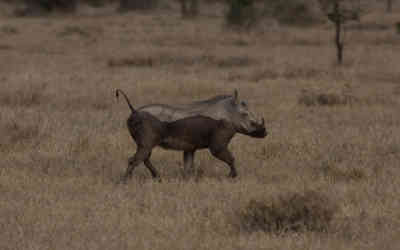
216, 108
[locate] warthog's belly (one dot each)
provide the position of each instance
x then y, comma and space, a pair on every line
183, 144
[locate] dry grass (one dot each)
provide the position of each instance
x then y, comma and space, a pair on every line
331, 166
27, 95
292, 212
8, 30
310, 98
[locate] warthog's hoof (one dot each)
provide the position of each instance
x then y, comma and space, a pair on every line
232, 175
157, 179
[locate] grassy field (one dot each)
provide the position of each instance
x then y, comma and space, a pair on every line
332, 156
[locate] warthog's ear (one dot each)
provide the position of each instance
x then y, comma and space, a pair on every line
236, 96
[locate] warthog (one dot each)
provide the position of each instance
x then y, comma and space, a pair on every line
186, 134
223, 107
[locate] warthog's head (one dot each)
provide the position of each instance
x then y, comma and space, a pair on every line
244, 120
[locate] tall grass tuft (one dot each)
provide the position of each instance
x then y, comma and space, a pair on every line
308, 211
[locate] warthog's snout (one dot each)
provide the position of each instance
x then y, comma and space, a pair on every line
260, 131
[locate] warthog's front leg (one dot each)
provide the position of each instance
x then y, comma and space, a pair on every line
188, 158
226, 156
140, 156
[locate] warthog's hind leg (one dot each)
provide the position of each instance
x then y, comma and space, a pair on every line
140, 156
226, 156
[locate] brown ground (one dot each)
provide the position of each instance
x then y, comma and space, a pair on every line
64, 144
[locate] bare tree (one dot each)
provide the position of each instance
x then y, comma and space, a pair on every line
338, 12
45, 7
127, 5
52, 5
389, 5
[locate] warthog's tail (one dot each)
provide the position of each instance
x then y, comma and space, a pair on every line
126, 98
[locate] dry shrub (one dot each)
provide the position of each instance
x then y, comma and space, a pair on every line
287, 73
189, 9
260, 75
80, 146
233, 76
45, 7
98, 3
311, 98
378, 99
235, 61
306, 42
241, 13
131, 62
338, 174
73, 30
302, 72
16, 133
19, 132
396, 90
364, 226
158, 60
128, 5
274, 150
240, 43
100, 102
308, 211
5, 47
248, 13
370, 26
386, 39
316, 98
293, 12
166, 59
9, 30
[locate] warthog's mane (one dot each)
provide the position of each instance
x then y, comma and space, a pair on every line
193, 106
212, 100
204, 103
